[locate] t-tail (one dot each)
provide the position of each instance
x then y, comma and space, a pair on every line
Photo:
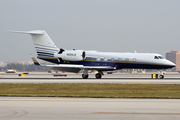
44, 46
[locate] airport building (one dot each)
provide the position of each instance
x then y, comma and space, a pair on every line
174, 56
2, 64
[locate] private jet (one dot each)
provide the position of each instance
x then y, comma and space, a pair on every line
84, 61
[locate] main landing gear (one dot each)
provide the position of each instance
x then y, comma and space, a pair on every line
97, 75
85, 76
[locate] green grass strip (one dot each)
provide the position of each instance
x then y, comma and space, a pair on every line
91, 90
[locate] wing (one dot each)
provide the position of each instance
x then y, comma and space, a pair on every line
74, 68
77, 68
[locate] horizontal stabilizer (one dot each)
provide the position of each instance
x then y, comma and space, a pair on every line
34, 32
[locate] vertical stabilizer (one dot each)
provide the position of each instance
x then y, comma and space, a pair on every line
44, 46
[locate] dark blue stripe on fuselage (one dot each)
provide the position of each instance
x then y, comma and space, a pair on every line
123, 65
113, 64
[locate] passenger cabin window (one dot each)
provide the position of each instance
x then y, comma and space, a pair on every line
102, 59
112, 59
134, 59
98, 59
119, 59
105, 59
127, 59
156, 57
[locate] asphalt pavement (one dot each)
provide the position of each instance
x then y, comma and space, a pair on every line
119, 78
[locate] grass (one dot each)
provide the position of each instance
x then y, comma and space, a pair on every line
91, 90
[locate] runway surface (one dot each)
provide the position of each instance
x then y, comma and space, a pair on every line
122, 78
52, 108
48, 108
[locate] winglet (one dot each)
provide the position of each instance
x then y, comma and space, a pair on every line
34, 60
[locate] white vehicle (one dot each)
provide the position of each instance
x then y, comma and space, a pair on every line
11, 71
82, 61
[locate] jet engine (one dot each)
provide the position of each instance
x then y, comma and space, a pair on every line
71, 55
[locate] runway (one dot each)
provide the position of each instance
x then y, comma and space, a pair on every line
55, 108
46, 108
118, 78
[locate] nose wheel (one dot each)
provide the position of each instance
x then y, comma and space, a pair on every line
161, 76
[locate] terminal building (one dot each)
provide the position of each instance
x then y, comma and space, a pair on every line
174, 56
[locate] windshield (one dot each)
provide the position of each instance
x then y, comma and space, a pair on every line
161, 57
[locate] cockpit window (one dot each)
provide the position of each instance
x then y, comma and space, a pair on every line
161, 57
156, 57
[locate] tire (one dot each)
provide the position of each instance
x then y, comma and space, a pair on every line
85, 76
161, 76
98, 76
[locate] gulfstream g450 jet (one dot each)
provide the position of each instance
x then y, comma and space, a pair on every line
83, 61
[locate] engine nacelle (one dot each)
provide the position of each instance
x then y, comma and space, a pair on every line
71, 55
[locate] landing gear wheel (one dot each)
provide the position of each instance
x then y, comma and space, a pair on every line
161, 76
98, 76
85, 76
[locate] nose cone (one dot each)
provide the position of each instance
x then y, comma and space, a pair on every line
171, 64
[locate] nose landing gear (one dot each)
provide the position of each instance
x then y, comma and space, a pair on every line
161, 76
